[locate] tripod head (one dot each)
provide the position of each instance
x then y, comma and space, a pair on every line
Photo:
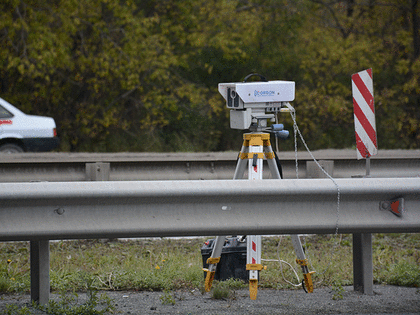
252, 104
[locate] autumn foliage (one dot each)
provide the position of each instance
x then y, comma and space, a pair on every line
142, 75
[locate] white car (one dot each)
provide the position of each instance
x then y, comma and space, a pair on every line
25, 133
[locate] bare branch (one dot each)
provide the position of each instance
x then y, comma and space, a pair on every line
22, 33
338, 25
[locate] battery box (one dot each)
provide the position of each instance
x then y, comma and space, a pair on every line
232, 260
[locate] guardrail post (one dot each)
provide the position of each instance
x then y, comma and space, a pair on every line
40, 271
98, 171
362, 263
313, 171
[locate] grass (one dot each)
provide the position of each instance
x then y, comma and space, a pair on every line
167, 264
68, 304
226, 289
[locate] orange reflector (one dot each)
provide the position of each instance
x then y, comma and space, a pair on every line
396, 207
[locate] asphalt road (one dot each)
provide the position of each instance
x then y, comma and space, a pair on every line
386, 300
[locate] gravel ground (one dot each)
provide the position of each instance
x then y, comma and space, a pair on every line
386, 300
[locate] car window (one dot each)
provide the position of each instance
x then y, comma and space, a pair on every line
4, 113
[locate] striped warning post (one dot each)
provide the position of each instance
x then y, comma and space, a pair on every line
364, 114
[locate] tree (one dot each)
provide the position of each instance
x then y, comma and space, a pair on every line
139, 75
351, 36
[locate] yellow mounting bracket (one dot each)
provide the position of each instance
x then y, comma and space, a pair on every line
307, 277
258, 267
302, 262
209, 279
208, 282
253, 289
253, 283
214, 260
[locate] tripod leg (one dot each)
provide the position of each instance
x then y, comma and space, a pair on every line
241, 164
220, 240
272, 163
253, 259
303, 262
213, 260
255, 172
301, 259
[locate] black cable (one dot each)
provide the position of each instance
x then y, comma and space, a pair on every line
278, 164
263, 78
303, 286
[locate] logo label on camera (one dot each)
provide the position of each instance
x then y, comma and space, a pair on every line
263, 93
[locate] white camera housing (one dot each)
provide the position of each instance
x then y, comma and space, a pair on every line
250, 101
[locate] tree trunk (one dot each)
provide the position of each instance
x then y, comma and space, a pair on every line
416, 33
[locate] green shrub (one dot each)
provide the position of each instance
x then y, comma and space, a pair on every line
405, 274
226, 289
167, 298
15, 310
221, 291
68, 305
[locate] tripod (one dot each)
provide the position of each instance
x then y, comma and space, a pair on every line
255, 148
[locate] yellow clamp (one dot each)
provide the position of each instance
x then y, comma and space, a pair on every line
258, 267
302, 262
259, 155
243, 156
270, 155
214, 260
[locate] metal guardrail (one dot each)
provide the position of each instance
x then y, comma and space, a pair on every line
68, 167
45, 211
42, 211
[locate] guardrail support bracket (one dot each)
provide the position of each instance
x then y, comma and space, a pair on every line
98, 171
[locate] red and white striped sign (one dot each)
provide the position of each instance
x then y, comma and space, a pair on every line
364, 114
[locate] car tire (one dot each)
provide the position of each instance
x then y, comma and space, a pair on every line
11, 148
